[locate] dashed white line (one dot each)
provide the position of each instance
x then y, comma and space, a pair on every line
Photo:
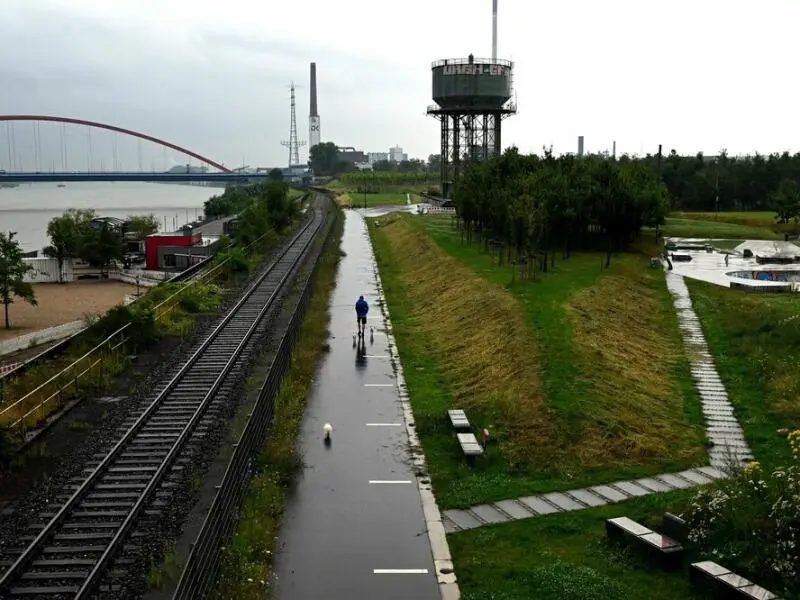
384, 425
378, 385
390, 481
400, 571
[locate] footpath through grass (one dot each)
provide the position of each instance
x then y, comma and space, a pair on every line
353, 199
755, 342
580, 376
247, 559
566, 557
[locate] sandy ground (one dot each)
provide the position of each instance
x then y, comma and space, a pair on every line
62, 303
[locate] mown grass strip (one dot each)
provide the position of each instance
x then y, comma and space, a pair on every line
755, 342
566, 557
581, 376
248, 556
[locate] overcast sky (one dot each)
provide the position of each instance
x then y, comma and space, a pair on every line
214, 76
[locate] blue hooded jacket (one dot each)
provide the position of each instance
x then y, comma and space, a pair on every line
362, 308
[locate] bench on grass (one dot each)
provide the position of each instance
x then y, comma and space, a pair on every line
469, 446
676, 528
667, 552
725, 584
458, 418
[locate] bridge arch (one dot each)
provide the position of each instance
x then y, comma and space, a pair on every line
106, 126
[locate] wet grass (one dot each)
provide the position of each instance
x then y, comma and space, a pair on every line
580, 376
355, 199
694, 228
566, 557
752, 219
756, 347
247, 560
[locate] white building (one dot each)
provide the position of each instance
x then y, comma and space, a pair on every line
397, 155
375, 157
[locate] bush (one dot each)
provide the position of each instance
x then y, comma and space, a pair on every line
751, 522
200, 298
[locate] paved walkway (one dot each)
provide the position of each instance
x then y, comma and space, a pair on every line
728, 446
359, 523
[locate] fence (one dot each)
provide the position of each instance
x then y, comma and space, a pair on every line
53, 394
202, 567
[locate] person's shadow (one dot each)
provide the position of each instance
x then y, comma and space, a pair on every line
361, 354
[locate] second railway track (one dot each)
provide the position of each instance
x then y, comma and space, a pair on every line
75, 547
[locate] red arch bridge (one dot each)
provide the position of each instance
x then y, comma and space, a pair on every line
31, 155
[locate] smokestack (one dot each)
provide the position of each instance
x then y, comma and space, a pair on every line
580, 145
313, 116
614, 149
494, 30
313, 111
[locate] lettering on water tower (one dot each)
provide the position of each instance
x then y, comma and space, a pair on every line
491, 70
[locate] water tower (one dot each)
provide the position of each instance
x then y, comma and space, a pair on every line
473, 96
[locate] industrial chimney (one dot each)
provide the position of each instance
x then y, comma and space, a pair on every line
313, 116
494, 30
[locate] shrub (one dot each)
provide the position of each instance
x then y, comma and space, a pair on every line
751, 522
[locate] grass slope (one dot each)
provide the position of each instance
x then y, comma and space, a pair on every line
565, 557
579, 377
756, 351
686, 227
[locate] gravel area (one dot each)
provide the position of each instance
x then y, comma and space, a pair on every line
64, 303
96, 437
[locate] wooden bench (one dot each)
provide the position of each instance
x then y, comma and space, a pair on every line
458, 418
724, 584
469, 446
667, 552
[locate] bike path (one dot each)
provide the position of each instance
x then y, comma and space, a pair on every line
354, 525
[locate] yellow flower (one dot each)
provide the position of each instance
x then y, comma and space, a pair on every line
752, 467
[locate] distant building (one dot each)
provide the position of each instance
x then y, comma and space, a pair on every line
375, 157
351, 155
397, 155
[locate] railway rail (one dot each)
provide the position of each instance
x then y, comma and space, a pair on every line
79, 549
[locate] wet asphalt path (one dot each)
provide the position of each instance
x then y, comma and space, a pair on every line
354, 525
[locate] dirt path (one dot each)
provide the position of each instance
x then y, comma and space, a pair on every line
63, 303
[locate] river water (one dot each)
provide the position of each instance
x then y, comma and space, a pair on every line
28, 208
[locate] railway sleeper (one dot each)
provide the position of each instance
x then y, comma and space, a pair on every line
59, 575
83, 536
54, 551
103, 513
91, 527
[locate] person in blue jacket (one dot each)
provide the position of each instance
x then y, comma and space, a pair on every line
362, 308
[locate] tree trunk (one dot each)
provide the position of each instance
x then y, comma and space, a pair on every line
8, 324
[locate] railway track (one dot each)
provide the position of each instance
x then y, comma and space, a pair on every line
79, 549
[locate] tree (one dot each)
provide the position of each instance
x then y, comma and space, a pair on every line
12, 273
142, 225
786, 201
100, 247
324, 159
66, 234
276, 175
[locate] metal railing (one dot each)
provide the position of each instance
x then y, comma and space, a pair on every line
32, 408
202, 566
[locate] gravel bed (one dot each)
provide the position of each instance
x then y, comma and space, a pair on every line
17, 516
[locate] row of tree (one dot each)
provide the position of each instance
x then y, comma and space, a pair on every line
326, 160
75, 234
722, 182
534, 206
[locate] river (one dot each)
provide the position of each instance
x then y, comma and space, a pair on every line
28, 208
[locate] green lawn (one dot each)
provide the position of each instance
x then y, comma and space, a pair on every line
610, 396
566, 557
692, 228
757, 357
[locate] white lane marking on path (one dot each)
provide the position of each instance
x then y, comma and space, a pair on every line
375, 356
390, 481
383, 425
400, 571
378, 385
